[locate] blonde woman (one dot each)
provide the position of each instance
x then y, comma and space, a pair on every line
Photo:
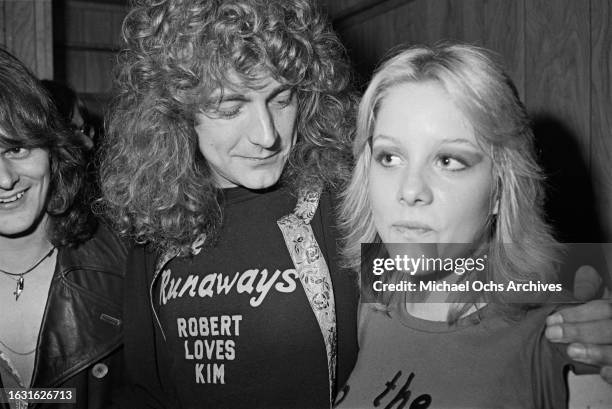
445, 155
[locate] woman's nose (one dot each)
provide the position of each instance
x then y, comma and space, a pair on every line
414, 189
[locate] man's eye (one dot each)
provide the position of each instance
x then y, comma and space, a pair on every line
228, 113
283, 103
17, 152
223, 111
450, 163
284, 99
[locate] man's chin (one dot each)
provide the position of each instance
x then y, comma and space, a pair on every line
261, 183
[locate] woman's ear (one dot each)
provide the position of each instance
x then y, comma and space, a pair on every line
495, 207
497, 195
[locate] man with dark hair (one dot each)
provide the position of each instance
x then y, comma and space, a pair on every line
61, 275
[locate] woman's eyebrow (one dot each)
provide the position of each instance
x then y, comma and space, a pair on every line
463, 141
384, 137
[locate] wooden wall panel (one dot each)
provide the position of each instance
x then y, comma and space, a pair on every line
495, 24
444, 19
71, 23
342, 8
100, 27
601, 110
473, 20
26, 31
504, 33
91, 24
44, 38
357, 38
98, 71
558, 53
20, 23
116, 24
2, 25
412, 22
75, 69
557, 60
88, 40
558, 80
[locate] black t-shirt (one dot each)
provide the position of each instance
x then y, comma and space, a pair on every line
240, 332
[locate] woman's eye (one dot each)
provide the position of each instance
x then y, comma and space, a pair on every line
449, 163
17, 152
387, 159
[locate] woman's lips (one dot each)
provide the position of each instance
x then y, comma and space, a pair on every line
412, 229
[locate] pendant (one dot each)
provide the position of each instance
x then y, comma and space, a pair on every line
19, 287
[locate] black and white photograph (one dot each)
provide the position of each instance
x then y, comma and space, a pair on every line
305, 204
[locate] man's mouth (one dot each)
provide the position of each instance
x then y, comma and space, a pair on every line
260, 158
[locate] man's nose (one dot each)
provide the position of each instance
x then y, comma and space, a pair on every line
8, 176
263, 132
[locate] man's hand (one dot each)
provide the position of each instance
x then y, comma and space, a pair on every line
588, 330
588, 284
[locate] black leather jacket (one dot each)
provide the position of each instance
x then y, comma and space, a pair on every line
80, 341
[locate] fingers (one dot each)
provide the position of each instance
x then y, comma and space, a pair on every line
594, 355
587, 283
600, 355
594, 332
591, 311
606, 374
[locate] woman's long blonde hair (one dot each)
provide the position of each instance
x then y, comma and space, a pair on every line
520, 243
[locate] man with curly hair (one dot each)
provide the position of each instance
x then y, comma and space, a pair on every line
232, 123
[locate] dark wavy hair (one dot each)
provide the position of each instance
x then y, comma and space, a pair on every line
29, 119
156, 185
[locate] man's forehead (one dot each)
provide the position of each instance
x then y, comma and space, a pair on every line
238, 85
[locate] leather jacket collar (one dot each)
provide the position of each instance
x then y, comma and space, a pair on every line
82, 321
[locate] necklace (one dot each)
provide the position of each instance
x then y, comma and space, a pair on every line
16, 352
20, 281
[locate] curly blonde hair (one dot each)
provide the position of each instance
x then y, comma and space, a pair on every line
156, 185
